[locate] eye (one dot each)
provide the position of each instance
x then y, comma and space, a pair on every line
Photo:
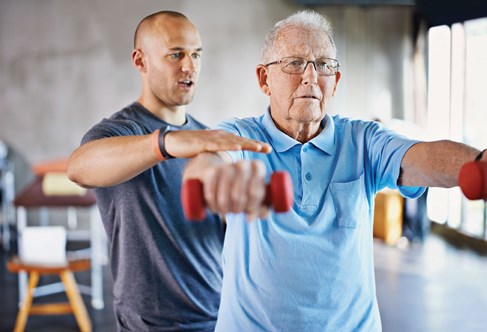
296, 63
196, 55
322, 64
176, 56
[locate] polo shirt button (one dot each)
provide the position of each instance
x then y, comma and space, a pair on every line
308, 176
305, 149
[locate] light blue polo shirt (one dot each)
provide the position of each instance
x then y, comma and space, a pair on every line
311, 269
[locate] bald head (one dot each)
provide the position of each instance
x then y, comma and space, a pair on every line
167, 51
150, 24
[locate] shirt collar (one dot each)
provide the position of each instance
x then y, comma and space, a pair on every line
281, 142
325, 140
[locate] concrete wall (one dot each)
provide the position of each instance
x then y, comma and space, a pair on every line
65, 64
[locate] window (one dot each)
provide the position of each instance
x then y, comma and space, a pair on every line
457, 104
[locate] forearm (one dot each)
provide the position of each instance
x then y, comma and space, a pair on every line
435, 164
110, 161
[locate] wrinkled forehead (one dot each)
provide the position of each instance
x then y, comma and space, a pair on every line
303, 42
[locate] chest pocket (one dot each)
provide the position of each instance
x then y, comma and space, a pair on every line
350, 202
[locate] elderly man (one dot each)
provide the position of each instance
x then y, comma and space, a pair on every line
310, 269
166, 271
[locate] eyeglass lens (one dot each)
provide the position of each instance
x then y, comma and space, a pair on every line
324, 66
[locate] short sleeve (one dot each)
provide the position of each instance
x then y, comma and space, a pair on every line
112, 128
386, 150
230, 126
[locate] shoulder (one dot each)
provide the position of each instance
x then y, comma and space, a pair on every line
356, 126
192, 123
244, 127
129, 112
125, 122
358, 123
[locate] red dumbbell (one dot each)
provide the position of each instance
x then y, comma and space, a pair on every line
472, 179
279, 195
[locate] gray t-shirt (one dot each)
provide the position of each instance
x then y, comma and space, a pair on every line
166, 270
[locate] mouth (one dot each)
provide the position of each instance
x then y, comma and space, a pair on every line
308, 97
186, 83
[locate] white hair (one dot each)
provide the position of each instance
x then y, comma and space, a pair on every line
307, 19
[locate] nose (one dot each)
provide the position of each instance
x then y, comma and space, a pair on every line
310, 75
188, 64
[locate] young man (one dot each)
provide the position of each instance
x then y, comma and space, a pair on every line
310, 269
166, 271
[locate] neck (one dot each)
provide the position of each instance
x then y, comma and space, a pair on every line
175, 115
301, 132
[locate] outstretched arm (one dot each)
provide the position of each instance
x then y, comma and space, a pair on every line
435, 164
230, 187
113, 160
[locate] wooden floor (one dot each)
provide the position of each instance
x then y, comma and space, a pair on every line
430, 287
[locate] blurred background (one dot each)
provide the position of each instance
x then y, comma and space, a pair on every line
418, 66
67, 64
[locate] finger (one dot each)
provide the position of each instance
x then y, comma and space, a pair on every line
238, 195
256, 188
224, 188
210, 185
255, 146
261, 214
264, 212
222, 140
250, 217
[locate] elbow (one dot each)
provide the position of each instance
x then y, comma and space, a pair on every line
72, 176
75, 174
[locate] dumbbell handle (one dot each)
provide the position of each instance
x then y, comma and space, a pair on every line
472, 179
279, 195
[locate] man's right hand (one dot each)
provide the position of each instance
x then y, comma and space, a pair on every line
230, 187
113, 160
189, 143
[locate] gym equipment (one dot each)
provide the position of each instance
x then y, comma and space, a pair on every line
472, 179
279, 195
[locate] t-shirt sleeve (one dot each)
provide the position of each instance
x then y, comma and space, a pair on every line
112, 128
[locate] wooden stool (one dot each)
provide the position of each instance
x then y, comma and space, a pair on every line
65, 272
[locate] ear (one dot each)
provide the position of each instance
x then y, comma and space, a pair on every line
261, 72
138, 60
338, 75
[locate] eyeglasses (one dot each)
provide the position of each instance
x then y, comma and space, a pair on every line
296, 65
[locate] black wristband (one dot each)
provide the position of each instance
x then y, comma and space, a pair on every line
480, 155
161, 140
